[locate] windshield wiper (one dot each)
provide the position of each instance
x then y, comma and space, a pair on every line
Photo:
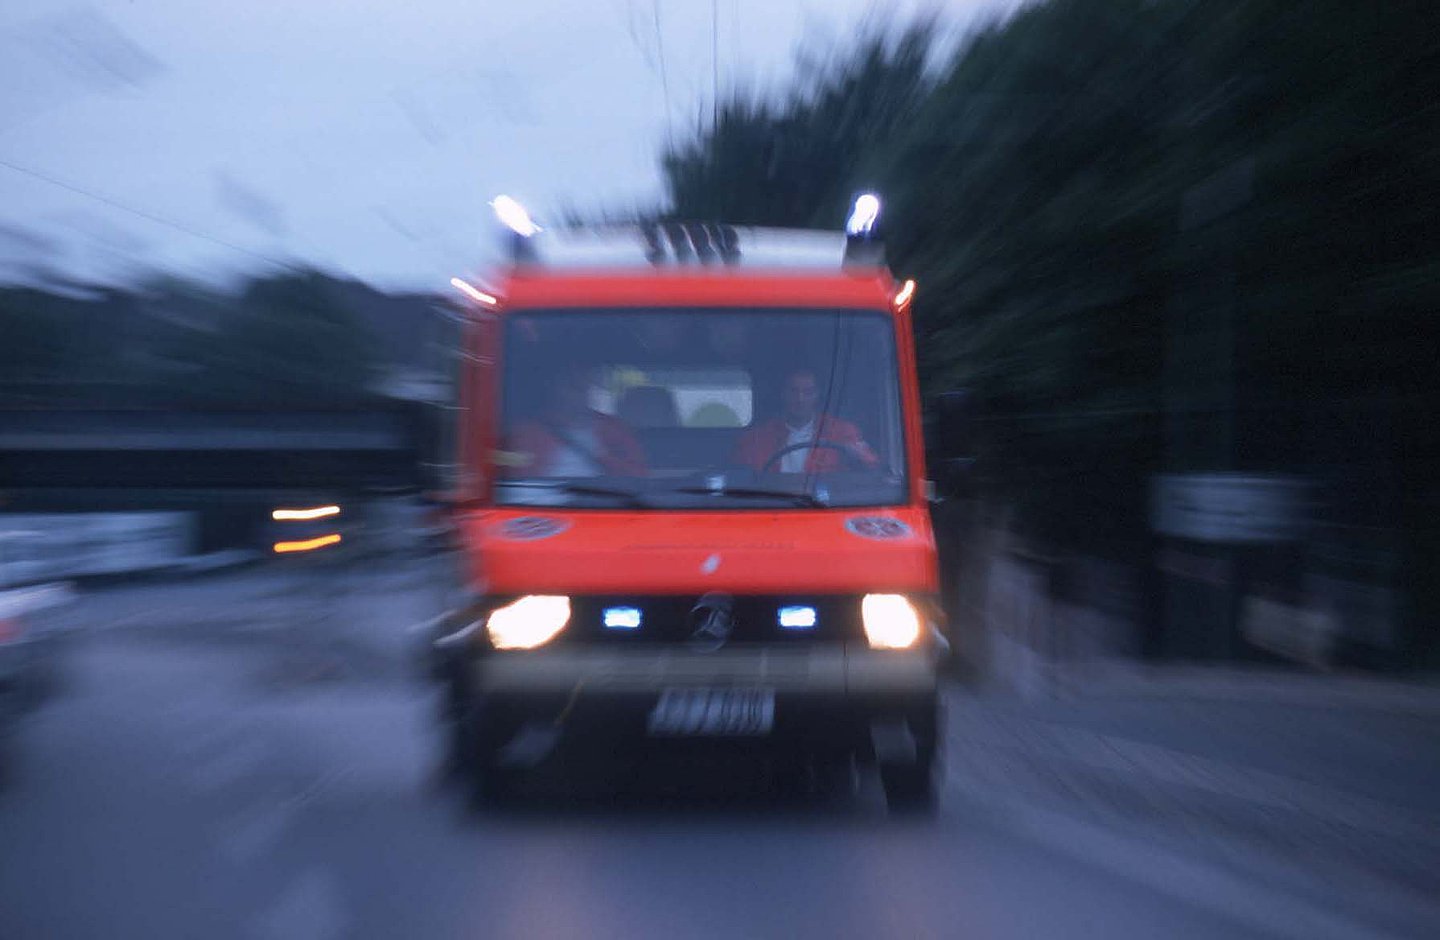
627, 498
754, 492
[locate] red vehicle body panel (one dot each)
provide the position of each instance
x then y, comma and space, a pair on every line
676, 552
697, 287
604, 551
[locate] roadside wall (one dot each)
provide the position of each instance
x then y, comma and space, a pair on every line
1029, 621
1021, 619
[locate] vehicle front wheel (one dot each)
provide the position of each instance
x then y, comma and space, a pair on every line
491, 787
488, 783
909, 788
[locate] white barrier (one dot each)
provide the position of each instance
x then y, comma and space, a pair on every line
48, 546
29, 600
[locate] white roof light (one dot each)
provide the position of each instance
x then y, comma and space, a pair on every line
864, 216
513, 216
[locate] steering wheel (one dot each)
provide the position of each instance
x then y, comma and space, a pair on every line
811, 445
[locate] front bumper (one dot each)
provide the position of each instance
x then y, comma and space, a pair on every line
830, 697
833, 670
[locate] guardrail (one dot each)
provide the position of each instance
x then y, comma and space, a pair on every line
14, 603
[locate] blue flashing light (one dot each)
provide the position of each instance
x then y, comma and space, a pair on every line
799, 617
621, 618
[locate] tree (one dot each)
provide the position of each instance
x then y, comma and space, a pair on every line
798, 162
283, 341
1109, 203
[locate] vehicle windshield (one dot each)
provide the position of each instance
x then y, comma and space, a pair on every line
700, 408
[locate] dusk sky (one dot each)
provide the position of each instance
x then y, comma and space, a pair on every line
362, 136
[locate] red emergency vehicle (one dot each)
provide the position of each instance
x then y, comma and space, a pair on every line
692, 503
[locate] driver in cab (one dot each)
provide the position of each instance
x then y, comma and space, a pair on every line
802, 439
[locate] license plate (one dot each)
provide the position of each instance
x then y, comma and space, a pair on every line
713, 712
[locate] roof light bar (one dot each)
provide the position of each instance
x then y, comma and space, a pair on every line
691, 244
657, 245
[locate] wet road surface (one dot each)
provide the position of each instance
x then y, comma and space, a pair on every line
195, 785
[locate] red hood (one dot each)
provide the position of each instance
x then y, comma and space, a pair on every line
755, 552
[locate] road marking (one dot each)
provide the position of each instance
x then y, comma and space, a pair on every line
1143, 762
310, 909
195, 741
209, 720
1207, 886
428, 624
1193, 881
28, 600
256, 832
992, 764
313, 791
229, 766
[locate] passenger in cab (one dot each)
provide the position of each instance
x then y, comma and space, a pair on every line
571, 439
787, 442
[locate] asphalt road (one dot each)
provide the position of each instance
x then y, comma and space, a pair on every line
209, 783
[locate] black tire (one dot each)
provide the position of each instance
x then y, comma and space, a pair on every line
488, 784
9, 742
457, 735
791, 778
909, 788
835, 774
493, 788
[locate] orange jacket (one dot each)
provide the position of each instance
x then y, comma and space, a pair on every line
617, 450
757, 445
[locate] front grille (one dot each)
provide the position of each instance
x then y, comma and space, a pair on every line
667, 619
678, 666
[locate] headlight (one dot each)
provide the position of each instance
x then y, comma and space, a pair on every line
531, 621
891, 621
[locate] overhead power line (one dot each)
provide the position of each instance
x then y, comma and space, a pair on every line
141, 213
664, 77
715, 65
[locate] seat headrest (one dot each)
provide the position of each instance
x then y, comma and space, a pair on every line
648, 406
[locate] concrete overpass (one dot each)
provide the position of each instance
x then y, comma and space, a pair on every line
386, 445
223, 470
